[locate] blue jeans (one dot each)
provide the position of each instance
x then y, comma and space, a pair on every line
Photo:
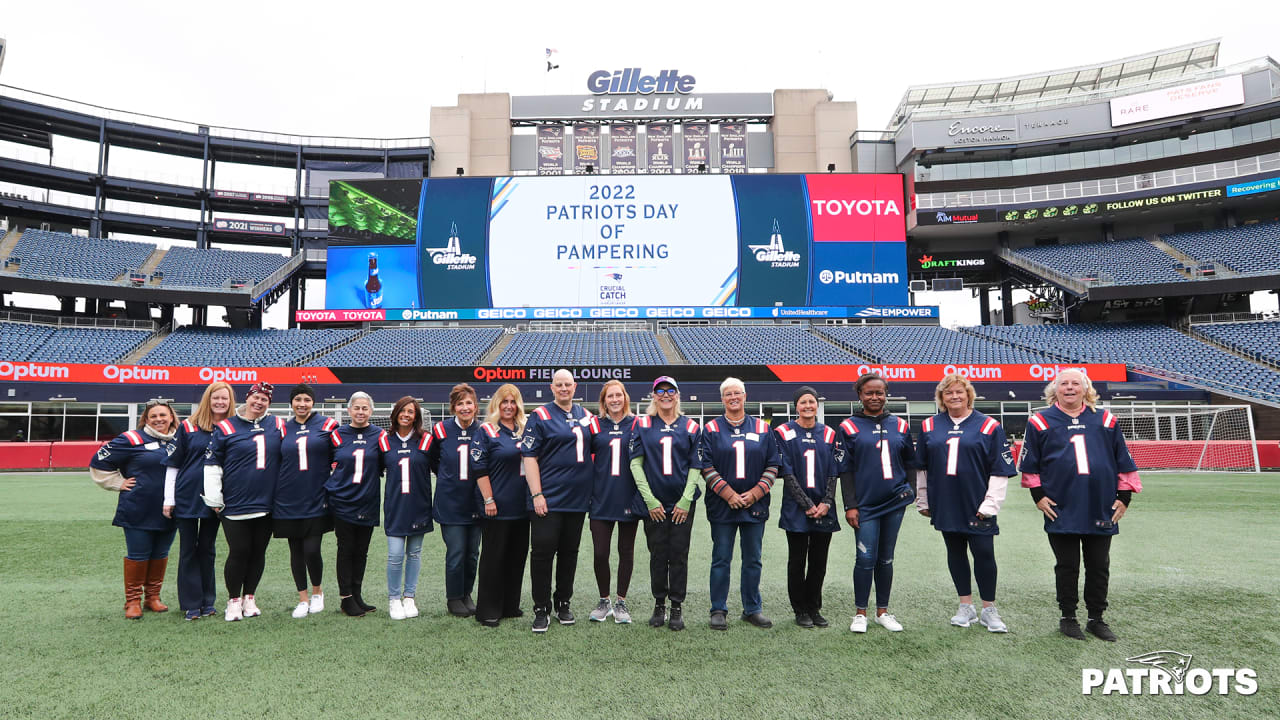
461, 553
399, 569
144, 545
876, 540
750, 537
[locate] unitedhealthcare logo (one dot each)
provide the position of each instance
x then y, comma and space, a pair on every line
451, 254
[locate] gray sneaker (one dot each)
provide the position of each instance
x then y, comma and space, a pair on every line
601, 611
621, 614
990, 619
964, 616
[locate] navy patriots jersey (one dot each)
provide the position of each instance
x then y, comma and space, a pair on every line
614, 496
305, 459
249, 453
878, 452
496, 452
1078, 462
353, 487
189, 443
740, 453
960, 458
561, 441
137, 455
450, 453
406, 507
812, 455
669, 452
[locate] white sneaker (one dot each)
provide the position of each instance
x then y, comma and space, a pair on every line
397, 609
889, 622
859, 624
251, 607
302, 610
964, 616
991, 620
317, 604
233, 610
601, 611
410, 607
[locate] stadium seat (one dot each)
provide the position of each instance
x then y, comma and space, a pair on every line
189, 267
1118, 262
752, 344
47, 254
924, 345
243, 348
48, 343
1248, 249
415, 347
638, 347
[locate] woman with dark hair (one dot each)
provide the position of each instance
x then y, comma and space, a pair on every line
878, 452
197, 523
407, 506
613, 500
301, 513
455, 506
360, 451
499, 471
133, 465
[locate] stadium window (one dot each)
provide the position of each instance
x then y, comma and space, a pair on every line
1107, 156
1246, 166
1187, 145
1138, 152
1222, 139
1062, 162
1242, 135
1275, 127
1089, 188
1182, 176
1020, 166
1125, 184
964, 171
1033, 166
1005, 168
1092, 159
1123, 155
1077, 161
1154, 150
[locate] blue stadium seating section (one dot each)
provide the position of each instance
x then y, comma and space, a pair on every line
415, 347
1156, 346
1248, 249
47, 343
924, 345
617, 348
1125, 262
1256, 339
763, 344
243, 348
46, 254
189, 267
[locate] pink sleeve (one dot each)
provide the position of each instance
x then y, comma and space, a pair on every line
1130, 481
1030, 480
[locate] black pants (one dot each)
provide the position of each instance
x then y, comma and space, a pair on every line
197, 556
304, 557
983, 547
247, 542
804, 585
503, 549
601, 535
554, 536
669, 557
353, 553
1097, 571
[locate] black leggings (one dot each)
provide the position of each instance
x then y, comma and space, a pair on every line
601, 534
353, 553
804, 585
553, 539
247, 542
983, 548
304, 557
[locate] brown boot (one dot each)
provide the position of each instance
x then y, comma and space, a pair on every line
135, 576
155, 578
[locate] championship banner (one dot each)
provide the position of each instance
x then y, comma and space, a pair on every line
586, 148
733, 147
622, 149
249, 227
550, 149
659, 145
697, 139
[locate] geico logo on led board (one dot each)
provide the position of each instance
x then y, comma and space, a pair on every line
838, 277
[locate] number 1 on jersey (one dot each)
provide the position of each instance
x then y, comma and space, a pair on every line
885, 466
1082, 455
810, 480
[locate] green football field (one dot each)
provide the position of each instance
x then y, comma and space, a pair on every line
1195, 570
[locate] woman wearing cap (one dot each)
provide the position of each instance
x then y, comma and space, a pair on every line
241, 467
133, 465
811, 469
613, 500
965, 465
407, 506
739, 461
197, 523
499, 471
664, 455
877, 455
1077, 466
359, 455
455, 507
301, 514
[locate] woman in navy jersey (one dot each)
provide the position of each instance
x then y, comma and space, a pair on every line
557, 467
407, 506
359, 451
197, 523
241, 467
965, 464
301, 514
133, 465
811, 471
664, 464
455, 508
613, 500
499, 470
878, 452
1077, 466
740, 461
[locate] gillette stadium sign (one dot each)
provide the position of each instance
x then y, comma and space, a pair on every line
633, 94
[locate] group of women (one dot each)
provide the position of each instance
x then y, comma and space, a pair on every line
515, 488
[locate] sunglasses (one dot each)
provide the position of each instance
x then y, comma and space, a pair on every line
666, 391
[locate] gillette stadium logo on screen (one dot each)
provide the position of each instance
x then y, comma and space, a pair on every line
451, 254
630, 81
774, 252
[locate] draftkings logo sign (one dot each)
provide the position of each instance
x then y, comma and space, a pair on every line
1167, 672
